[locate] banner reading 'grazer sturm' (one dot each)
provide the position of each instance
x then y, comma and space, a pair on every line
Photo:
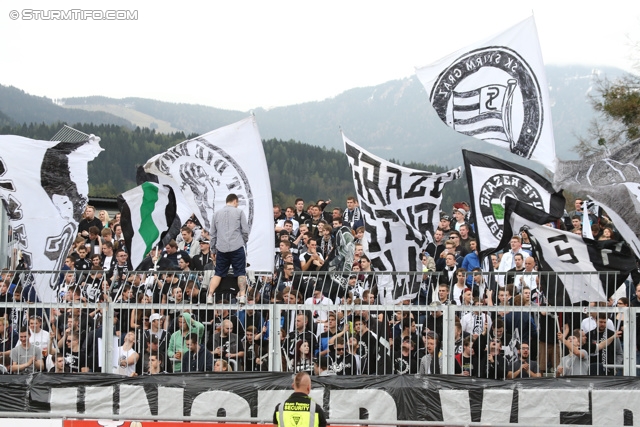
44, 189
210, 167
612, 179
401, 209
496, 90
491, 181
564, 252
147, 213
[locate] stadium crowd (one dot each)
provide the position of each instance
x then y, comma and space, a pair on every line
347, 331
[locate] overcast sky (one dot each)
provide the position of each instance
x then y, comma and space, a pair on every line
246, 54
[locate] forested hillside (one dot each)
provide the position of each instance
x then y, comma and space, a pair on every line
24, 108
296, 169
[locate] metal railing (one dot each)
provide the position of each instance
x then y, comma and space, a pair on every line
144, 322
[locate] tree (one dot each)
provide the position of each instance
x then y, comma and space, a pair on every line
618, 121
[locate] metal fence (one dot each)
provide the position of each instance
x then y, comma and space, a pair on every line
149, 322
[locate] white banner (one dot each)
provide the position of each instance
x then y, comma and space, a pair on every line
496, 90
44, 188
401, 208
210, 167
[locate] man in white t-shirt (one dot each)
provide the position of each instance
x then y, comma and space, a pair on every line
38, 337
321, 315
507, 262
460, 286
528, 276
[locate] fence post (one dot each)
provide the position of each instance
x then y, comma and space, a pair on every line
275, 363
107, 337
448, 338
631, 351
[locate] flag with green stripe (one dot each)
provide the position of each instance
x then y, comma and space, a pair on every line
147, 213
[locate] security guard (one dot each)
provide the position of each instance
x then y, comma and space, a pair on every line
299, 410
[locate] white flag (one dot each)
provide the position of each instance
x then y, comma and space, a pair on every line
609, 263
210, 167
496, 90
491, 180
401, 209
44, 188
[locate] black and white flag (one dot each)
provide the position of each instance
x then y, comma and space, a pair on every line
148, 211
567, 253
612, 179
182, 208
496, 90
401, 209
44, 189
491, 181
210, 167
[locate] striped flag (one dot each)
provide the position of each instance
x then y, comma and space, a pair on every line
147, 213
484, 112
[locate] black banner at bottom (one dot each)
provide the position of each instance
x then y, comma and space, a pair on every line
238, 395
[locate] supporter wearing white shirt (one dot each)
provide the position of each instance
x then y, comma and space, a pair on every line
320, 315
38, 337
591, 323
529, 279
460, 286
508, 262
291, 228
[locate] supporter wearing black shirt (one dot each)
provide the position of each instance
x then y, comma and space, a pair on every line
405, 360
301, 332
256, 350
82, 263
8, 340
343, 362
300, 214
604, 347
205, 256
173, 254
367, 350
60, 366
5, 296
88, 221
74, 357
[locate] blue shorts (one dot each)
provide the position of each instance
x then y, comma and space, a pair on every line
237, 259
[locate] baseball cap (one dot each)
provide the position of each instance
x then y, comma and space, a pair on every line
154, 316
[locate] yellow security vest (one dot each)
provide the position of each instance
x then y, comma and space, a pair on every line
296, 413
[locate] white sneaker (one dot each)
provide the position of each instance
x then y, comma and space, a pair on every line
209, 299
242, 300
